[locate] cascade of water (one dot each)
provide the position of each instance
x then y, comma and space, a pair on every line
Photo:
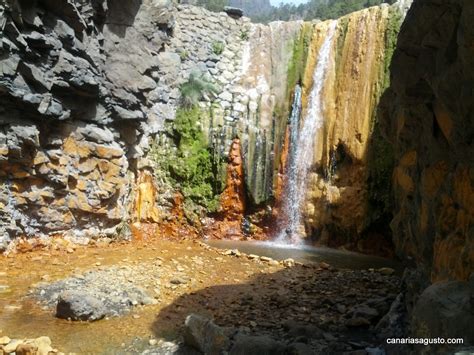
302, 145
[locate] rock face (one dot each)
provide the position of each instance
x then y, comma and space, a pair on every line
337, 208
428, 116
74, 76
90, 90
233, 197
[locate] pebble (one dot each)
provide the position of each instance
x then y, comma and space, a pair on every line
11, 346
288, 262
178, 281
386, 271
324, 265
4, 340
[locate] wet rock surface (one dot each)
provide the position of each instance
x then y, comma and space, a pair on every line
427, 114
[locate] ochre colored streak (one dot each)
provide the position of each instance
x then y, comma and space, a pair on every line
233, 197
145, 205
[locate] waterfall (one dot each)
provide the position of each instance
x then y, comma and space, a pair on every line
302, 143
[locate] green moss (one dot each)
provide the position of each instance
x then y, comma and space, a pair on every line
391, 34
297, 64
341, 39
190, 167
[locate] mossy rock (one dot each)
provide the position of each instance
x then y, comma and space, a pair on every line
190, 167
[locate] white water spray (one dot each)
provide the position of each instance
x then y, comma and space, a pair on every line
302, 145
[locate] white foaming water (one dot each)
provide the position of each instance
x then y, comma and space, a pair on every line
302, 144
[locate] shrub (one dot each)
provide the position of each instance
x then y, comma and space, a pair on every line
190, 168
218, 47
184, 54
195, 88
244, 35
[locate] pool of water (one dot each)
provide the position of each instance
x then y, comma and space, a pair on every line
307, 254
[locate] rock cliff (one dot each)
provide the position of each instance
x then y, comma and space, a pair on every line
73, 85
427, 114
92, 129
338, 204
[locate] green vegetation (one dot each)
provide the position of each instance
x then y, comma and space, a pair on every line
195, 88
244, 35
184, 54
391, 35
183, 159
190, 168
341, 40
297, 65
333, 9
218, 47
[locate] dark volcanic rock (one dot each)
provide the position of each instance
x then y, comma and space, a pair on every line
70, 73
234, 11
77, 305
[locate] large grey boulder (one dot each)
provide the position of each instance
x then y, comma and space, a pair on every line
202, 334
76, 305
445, 309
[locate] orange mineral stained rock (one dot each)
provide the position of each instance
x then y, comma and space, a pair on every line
145, 201
233, 197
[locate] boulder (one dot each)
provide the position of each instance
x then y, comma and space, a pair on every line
445, 309
202, 334
77, 305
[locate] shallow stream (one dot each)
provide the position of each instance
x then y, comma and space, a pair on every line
306, 254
